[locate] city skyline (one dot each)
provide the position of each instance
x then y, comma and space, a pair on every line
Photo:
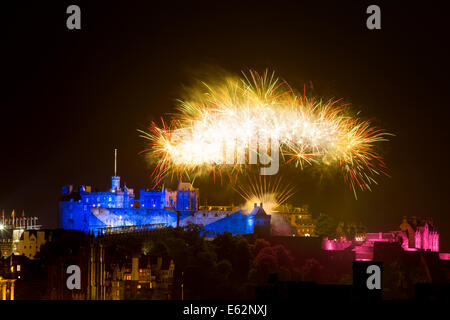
74, 97
235, 158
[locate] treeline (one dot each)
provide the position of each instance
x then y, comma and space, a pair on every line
227, 267
326, 226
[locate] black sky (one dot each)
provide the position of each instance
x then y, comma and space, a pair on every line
70, 97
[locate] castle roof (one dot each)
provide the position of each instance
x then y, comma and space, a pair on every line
258, 211
185, 186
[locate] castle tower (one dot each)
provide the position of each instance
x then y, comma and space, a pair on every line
115, 180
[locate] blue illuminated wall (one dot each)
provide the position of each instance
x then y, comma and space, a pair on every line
153, 199
236, 223
85, 210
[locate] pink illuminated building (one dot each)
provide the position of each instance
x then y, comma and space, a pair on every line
414, 235
420, 235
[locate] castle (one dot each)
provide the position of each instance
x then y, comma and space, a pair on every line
414, 235
118, 208
83, 209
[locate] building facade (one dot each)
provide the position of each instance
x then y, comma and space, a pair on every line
21, 236
89, 211
86, 210
414, 235
293, 221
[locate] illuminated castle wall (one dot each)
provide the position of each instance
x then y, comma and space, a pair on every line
419, 234
184, 198
414, 235
85, 210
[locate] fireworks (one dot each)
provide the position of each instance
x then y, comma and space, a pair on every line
268, 190
224, 127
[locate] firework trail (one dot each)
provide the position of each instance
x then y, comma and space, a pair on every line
221, 128
270, 191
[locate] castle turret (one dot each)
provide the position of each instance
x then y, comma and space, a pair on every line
115, 180
115, 183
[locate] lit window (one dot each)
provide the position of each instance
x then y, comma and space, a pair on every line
18, 267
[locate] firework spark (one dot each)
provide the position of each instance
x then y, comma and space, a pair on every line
221, 128
268, 190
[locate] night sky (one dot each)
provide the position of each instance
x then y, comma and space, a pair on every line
70, 97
